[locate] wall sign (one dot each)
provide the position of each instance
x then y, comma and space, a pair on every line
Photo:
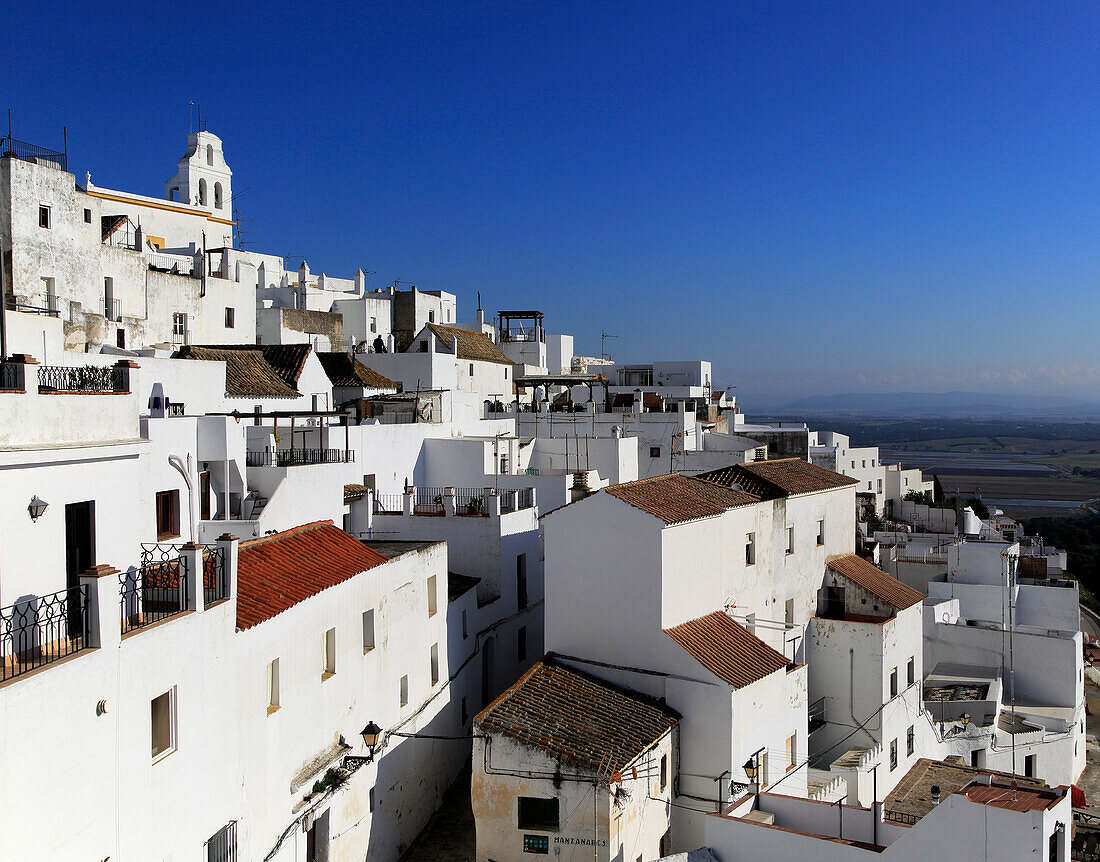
536, 844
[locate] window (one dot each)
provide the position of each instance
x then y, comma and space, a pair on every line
750, 549
465, 632
1029, 766
820, 531
893, 682
521, 644
654, 451
217, 196
471, 369
230, 318
762, 762
87, 216
44, 216
368, 630
664, 771
202, 193
210, 154
370, 800
317, 838
168, 514
163, 723
272, 685
374, 324
434, 661
120, 339
792, 751
503, 465
222, 845
49, 293
910, 737
538, 814
853, 465
423, 347
893, 754
788, 612
911, 670
404, 693
790, 540
880, 486
431, 596
465, 713
521, 581
431, 319
179, 327
868, 484
329, 654
864, 463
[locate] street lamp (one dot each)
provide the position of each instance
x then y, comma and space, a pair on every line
751, 769
370, 735
37, 507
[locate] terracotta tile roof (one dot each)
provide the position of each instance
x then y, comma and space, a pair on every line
343, 369
354, 491
779, 478
471, 345
248, 374
1001, 795
875, 581
675, 498
276, 572
728, 650
582, 721
650, 400
913, 794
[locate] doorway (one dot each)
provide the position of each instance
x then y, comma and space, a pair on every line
79, 554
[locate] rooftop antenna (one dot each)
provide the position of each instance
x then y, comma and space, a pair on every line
238, 221
603, 344
479, 300
190, 117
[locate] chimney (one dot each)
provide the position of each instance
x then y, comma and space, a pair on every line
580, 488
935, 794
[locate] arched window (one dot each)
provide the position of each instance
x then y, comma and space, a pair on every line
217, 196
202, 193
210, 154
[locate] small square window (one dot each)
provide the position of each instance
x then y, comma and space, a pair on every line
654, 451
821, 531
87, 216
230, 317
44, 216
168, 514
368, 630
329, 654
431, 317
540, 815
404, 691
163, 724
272, 685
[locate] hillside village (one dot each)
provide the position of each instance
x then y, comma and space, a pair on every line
284, 556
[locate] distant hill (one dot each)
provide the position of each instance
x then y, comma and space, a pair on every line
959, 404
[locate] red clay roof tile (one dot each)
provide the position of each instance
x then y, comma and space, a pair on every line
728, 650
676, 498
779, 478
276, 572
875, 581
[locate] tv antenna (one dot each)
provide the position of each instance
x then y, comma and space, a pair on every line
604, 335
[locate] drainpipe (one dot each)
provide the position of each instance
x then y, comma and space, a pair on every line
185, 471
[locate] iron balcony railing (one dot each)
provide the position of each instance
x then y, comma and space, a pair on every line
428, 501
389, 504
87, 378
171, 263
33, 153
112, 308
46, 305
181, 337
470, 501
12, 376
37, 631
902, 817
156, 590
222, 847
298, 457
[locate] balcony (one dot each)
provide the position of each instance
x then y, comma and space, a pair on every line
101, 379
46, 305
33, 153
174, 264
181, 336
157, 589
112, 308
298, 457
37, 631
460, 502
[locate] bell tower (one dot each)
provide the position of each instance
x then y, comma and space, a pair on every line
203, 178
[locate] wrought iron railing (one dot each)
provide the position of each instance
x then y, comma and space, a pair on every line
175, 264
154, 591
182, 337
815, 714
526, 498
215, 585
86, 378
902, 817
37, 631
112, 308
222, 847
12, 376
507, 500
389, 504
35, 305
470, 501
33, 153
428, 501
298, 457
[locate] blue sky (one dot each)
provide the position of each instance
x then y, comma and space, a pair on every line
818, 197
